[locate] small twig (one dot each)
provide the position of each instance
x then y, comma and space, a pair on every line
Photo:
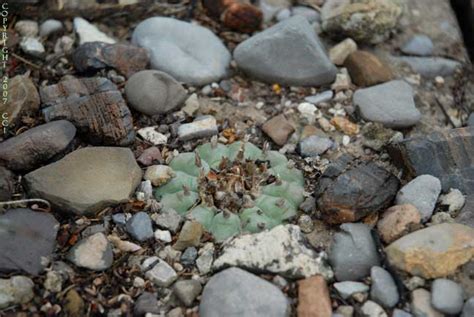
24, 60
25, 201
440, 104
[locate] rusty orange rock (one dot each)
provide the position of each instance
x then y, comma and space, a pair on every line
239, 15
433, 252
313, 298
397, 221
344, 125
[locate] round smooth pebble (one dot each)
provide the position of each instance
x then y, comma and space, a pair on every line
153, 92
422, 192
348, 288
384, 290
372, 309
468, 309
49, 27
188, 52
447, 296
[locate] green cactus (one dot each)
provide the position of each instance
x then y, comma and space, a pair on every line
233, 189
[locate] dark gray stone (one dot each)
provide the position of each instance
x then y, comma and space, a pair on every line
288, 53
140, 227
235, 292
189, 256
6, 184
353, 252
36, 146
146, 303
430, 66
25, 237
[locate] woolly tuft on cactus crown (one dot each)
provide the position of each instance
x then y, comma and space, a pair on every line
233, 189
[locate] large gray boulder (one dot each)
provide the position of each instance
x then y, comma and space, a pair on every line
235, 292
188, 52
87, 180
288, 53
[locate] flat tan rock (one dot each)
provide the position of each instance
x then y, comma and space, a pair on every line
433, 252
313, 298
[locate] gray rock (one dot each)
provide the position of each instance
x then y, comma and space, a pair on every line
188, 52
88, 32
419, 44
250, 296
447, 296
281, 250
93, 230
384, 290
153, 92
468, 309
353, 252
16, 290
283, 15
188, 258
288, 53
310, 14
390, 103
146, 303
470, 120
314, 145
348, 288
321, 97
49, 27
422, 192
97, 177
205, 259
93, 253
430, 66
32, 46
168, 219
372, 309
6, 184
36, 146
140, 227
187, 291
25, 238
421, 304
400, 313
201, 127
161, 274
119, 219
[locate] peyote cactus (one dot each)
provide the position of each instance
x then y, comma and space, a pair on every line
233, 189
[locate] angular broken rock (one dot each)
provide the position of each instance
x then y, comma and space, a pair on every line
36, 146
94, 106
93, 253
93, 56
447, 155
281, 251
350, 190
436, 251
26, 238
87, 180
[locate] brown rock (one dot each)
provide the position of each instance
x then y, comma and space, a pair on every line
23, 99
190, 236
349, 190
313, 298
366, 69
344, 125
436, 251
38, 145
239, 15
278, 129
94, 106
308, 131
397, 221
74, 305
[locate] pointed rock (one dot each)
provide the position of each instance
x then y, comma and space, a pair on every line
288, 53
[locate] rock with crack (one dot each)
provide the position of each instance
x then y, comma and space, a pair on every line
87, 180
350, 190
446, 155
26, 239
94, 106
281, 250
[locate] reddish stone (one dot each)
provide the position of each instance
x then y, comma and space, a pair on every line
278, 129
313, 298
150, 156
239, 15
